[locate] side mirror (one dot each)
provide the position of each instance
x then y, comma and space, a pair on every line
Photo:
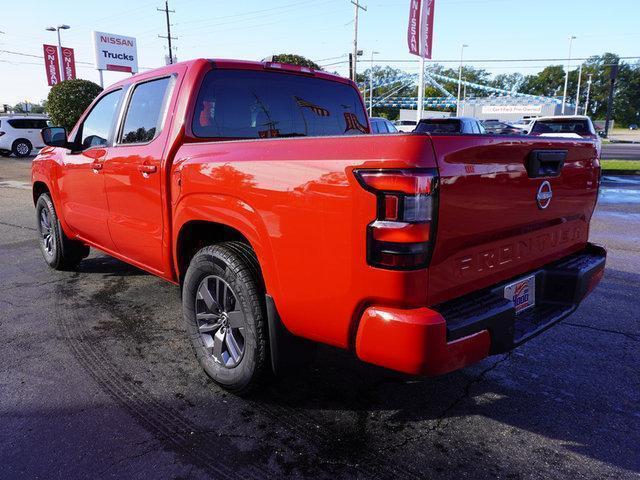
55, 137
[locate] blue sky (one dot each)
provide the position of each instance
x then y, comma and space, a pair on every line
318, 29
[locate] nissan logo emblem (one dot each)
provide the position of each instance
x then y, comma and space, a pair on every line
543, 198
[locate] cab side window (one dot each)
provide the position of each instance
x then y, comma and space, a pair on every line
144, 116
97, 125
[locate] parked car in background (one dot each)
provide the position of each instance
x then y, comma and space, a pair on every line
20, 135
500, 128
382, 125
405, 125
633, 126
576, 126
464, 125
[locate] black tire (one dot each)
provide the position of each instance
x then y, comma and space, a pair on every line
230, 269
60, 252
5, 153
22, 148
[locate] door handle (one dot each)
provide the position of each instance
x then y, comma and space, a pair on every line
147, 169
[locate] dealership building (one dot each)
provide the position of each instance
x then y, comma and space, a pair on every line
513, 108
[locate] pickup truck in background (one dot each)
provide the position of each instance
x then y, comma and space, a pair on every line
259, 190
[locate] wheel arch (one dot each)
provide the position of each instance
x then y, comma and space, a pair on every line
195, 234
193, 231
39, 187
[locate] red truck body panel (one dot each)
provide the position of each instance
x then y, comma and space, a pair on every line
490, 227
299, 205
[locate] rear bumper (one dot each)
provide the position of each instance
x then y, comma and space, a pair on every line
446, 337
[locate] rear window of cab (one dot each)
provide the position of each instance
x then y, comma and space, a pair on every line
245, 104
579, 127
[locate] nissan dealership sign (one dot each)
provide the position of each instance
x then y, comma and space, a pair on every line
115, 52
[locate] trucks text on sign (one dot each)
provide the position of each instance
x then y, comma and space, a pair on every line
115, 52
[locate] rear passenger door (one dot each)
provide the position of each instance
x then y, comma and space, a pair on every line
133, 173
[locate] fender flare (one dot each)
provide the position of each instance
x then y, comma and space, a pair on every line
230, 212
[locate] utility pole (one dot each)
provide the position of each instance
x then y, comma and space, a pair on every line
168, 37
566, 75
358, 7
586, 102
578, 92
612, 87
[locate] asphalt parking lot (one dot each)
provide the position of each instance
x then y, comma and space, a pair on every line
98, 381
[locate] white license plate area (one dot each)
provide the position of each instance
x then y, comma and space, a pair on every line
522, 293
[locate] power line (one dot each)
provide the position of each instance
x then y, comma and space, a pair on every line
492, 60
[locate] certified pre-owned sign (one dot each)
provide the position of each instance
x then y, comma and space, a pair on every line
115, 52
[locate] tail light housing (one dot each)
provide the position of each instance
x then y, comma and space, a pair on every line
402, 235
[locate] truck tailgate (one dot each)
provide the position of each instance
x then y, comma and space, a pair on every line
498, 217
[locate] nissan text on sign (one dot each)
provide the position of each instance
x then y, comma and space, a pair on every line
115, 52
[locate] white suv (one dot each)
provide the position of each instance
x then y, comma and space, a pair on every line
21, 134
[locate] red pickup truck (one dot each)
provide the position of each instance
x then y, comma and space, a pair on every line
258, 188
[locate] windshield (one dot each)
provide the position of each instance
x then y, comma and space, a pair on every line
243, 104
438, 126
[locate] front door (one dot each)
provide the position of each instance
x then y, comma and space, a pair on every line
81, 182
133, 175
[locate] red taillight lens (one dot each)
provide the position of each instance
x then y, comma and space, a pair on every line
401, 236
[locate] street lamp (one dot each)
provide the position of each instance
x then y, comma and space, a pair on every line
464, 45
60, 60
566, 75
371, 84
586, 102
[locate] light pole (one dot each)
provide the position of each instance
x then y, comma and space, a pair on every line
371, 84
578, 91
586, 102
60, 60
464, 45
566, 75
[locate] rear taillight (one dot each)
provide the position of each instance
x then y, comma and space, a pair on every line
401, 237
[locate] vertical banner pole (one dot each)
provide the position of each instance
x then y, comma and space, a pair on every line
101, 79
420, 89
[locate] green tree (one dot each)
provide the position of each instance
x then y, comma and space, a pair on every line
69, 99
507, 81
549, 82
299, 60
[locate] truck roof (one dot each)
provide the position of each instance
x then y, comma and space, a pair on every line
238, 65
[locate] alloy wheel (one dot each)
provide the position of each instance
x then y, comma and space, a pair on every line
46, 231
221, 323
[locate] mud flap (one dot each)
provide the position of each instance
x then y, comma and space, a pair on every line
289, 353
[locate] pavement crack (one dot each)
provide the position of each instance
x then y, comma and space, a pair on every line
127, 458
7, 224
467, 391
630, 336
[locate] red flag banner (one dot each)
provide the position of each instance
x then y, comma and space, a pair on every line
51, 64
420, 30
413, 32
69, 63
426, 28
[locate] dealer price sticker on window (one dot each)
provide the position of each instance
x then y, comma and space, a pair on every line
522, 293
